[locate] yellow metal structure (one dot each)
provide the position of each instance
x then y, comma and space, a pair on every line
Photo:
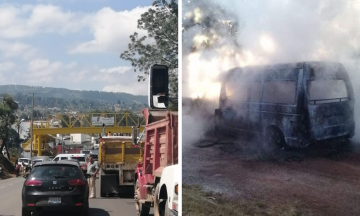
44, 131
118, 149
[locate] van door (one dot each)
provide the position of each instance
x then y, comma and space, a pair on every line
330, 108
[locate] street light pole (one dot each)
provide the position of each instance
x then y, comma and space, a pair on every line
32, 126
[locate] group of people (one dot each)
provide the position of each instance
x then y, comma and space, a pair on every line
20, 168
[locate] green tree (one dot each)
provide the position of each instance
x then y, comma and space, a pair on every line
161, 23
8, 108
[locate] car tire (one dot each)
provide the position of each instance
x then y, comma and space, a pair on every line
275, 138
85, 211
25, 212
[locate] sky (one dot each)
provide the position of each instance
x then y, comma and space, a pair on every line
73, 44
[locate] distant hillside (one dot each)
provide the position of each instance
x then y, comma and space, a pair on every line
74, 99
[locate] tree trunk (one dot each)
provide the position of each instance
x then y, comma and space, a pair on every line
2, 146
7, 151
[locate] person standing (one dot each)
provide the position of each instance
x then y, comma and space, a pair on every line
92, 169
23, 168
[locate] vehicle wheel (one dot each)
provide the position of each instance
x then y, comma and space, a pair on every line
163, 209
25, 212
142, 210
275, 138
156, 202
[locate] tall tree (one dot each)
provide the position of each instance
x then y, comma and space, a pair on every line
8, 108
161, 24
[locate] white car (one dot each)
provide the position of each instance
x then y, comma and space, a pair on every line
82, 158
169, 182
26, 161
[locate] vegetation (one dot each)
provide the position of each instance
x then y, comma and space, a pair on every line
161, 23
195, 201
8, 107
55, 100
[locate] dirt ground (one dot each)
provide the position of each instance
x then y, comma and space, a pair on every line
323, 178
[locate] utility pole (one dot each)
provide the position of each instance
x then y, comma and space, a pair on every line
31, 126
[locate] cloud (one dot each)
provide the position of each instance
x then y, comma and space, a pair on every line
42, 70
120, 69
139, 88
16, 49
111, 30
18, 21
6, 66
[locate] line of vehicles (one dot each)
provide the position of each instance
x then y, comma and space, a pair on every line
146, 163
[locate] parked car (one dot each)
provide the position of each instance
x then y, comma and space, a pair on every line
82, 158
39, 159
55, 186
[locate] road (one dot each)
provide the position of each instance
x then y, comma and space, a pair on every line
10, 201
322, 179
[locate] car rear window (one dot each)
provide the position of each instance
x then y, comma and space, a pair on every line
82, 159
24, 160
39, 160
50, 171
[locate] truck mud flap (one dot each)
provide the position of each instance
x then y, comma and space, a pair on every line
109, 184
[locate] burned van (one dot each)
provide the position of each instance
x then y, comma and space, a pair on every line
288, 104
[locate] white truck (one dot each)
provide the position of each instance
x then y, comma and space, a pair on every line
169, 183
79, 138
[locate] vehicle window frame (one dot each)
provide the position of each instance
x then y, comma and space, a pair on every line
295, 82
79, 171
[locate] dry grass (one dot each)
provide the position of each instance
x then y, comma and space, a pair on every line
197, 202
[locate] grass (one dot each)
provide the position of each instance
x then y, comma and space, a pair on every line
197, 202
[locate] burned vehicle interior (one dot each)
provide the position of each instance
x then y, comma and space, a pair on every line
290, 105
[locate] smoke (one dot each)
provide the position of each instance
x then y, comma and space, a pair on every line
219, 35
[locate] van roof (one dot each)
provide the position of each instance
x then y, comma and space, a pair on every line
287, 65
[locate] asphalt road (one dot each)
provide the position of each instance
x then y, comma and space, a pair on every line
10, 201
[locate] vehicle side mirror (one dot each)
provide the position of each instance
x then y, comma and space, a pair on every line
158, 86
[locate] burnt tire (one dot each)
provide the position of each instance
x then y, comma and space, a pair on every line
25, 212
142, 210
275, 138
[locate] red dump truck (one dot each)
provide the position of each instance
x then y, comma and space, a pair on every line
156, 176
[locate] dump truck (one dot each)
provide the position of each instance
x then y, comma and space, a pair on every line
156, 181
117, 159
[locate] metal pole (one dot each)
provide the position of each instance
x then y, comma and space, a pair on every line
62, 144
32, 123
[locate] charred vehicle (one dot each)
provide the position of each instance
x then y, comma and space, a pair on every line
289, 104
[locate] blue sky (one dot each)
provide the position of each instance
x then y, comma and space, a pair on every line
72, 44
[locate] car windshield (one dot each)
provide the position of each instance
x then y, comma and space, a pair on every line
82, 159
55, 171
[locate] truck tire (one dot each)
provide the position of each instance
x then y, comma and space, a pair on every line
156, 202
142, 210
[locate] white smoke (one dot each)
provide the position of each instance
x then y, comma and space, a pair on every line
275, 31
